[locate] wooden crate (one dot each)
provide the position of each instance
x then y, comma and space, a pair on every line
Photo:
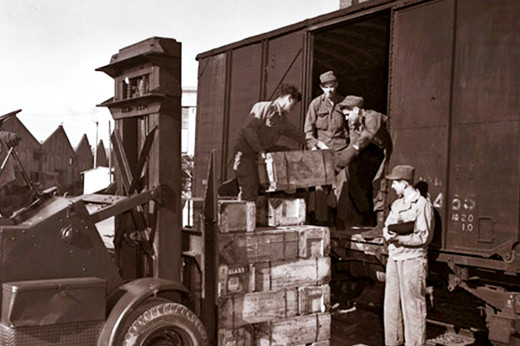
265, 276
259, 246
313, 241
245, 336
280, 211
278, 244
300, 330
242, 336
236, 216
239, 310
288, 170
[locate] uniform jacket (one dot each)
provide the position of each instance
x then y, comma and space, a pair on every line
325, 122
418, 209
371, 128
264, 126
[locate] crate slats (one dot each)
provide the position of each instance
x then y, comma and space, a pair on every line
239, 310
265, 276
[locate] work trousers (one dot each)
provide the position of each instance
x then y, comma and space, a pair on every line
405, 302
246, 172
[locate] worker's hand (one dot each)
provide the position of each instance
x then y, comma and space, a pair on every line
391, 237
9, 138
322, 146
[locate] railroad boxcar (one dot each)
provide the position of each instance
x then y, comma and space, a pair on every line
446, 73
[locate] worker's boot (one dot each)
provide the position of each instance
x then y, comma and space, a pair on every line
377, 230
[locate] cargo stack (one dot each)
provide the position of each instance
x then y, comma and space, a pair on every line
273, 273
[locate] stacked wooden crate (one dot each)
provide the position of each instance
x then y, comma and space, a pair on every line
273, 275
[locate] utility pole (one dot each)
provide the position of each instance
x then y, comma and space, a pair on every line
96, 145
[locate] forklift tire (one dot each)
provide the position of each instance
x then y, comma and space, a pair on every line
159, 322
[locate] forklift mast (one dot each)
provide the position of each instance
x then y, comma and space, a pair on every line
146, 108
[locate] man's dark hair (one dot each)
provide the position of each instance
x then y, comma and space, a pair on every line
287, 89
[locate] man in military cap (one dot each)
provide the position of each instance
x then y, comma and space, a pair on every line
325, 128
407, 265
266, 123
369, 148
324, 124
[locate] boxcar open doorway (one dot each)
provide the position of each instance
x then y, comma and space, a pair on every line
357, 50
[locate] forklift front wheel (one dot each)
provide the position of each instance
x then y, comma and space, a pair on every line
160, 322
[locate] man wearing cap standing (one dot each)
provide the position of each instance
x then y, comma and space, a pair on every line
325, 128
407, 266
324, 124
369, 148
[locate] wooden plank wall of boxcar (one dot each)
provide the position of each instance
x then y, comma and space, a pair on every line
244, 90
285, 64
484, 170
420, 90
229, 84
210, 116
454, 111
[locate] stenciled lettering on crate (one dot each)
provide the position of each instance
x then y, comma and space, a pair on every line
263, 276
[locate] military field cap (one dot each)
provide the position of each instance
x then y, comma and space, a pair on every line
351, 101
327, 77
402, 172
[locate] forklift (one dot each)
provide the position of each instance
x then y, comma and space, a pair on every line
60, 284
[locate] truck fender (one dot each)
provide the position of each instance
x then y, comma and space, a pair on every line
135, 292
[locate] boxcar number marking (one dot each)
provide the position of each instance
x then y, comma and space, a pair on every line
466, 218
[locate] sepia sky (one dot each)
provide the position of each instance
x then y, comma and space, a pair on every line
51, 48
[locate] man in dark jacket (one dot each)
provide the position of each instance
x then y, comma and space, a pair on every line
368, 150
266, 123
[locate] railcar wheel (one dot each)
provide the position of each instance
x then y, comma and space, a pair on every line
162, 323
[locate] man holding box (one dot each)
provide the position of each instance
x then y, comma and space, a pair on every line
325, 128
266, 123
408, 231
369, 148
